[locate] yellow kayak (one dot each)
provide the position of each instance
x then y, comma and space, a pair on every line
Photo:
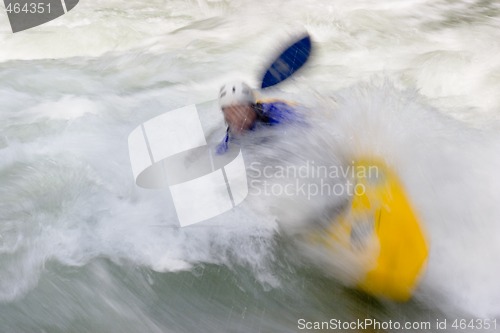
382, 228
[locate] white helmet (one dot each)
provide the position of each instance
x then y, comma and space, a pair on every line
235, 93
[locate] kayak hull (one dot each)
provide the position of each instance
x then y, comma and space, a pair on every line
381, 227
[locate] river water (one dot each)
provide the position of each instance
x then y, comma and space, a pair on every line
83, 249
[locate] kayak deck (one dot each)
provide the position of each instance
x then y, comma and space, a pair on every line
382, 228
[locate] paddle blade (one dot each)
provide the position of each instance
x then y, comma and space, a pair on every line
288, 62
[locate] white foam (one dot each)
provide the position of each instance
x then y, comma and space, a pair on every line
93, 75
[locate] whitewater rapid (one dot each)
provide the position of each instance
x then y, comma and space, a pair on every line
413, 82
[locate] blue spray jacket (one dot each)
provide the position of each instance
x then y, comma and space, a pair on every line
268, 113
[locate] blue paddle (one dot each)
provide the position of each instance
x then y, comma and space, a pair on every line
288, 62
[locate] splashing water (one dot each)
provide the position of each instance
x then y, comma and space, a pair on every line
83, 249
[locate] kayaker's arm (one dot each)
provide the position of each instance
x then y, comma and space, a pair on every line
223, 146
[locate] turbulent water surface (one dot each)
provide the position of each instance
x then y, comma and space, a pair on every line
83, 249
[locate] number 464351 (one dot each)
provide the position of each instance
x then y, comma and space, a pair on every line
474, 324
28, 8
